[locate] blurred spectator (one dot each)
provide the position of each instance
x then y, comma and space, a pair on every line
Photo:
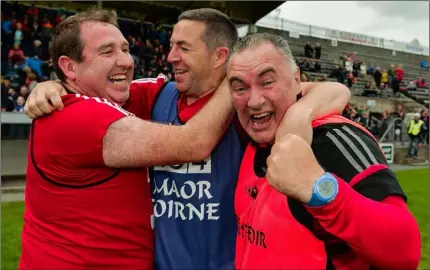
147, 51
5, 86
35, 30
356, 69
33, 10
398, 127
339, 73
384, 122
35, 64
24, 92
399, 72
363, 69
134, 51
366, 122
377, 76
412, 86
425, 130
352, 57
384, 79
350, 79
370, 69
368, 81
424, 63
421, 83
395, 85
37, 49
414, 130
6, 26
16, 55
348, 66
18, 35
391, 74
309, 51
317, 51
31, 79
19, 105
317, 67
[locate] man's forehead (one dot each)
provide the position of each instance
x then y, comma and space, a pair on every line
252, 61
100, 33
188, 31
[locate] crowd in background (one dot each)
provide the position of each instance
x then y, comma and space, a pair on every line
25, 60
378, 124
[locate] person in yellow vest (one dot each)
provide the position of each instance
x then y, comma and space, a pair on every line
384, 79
414, 131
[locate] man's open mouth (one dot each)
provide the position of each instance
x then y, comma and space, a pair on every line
261, 118
117, 79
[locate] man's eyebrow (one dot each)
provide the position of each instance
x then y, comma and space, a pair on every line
182, 42
235, 79
111, 44
265, 71
106, 45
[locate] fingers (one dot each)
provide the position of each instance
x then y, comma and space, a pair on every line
31, 109
56, 101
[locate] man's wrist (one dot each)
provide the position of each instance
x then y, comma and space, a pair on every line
325, 189
307, 186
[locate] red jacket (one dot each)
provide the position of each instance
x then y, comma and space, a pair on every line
79, 213
367, 225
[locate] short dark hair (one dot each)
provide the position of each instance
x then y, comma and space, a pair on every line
220, 30
67, 35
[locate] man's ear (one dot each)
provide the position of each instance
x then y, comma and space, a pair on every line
68, 66
221, 56
297, 77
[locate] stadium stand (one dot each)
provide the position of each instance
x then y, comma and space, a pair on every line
379, 81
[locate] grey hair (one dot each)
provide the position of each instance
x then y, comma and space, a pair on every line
253, 41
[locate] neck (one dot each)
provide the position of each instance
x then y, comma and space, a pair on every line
72, 87
210, 84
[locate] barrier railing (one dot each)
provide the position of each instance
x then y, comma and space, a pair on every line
15, 118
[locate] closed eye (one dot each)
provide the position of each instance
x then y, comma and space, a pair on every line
267, 83
239, 89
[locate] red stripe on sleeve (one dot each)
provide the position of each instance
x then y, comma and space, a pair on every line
383, 234
367, 172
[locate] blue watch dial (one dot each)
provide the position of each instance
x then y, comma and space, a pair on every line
326, 188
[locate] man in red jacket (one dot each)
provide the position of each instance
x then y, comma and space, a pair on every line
332, 204
399, 73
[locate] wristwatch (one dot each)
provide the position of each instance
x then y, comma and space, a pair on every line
324, 190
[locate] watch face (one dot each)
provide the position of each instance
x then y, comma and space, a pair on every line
326, 188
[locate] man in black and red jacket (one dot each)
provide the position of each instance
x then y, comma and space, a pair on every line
326, 197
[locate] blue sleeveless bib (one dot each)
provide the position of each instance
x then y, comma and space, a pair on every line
195, 223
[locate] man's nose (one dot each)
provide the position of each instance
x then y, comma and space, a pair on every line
125, 60
256, 99
173, 55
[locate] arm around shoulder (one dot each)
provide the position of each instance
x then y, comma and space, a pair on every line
132, 142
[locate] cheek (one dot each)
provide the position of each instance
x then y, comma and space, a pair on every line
240, 102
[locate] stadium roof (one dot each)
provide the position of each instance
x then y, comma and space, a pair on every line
239, 11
